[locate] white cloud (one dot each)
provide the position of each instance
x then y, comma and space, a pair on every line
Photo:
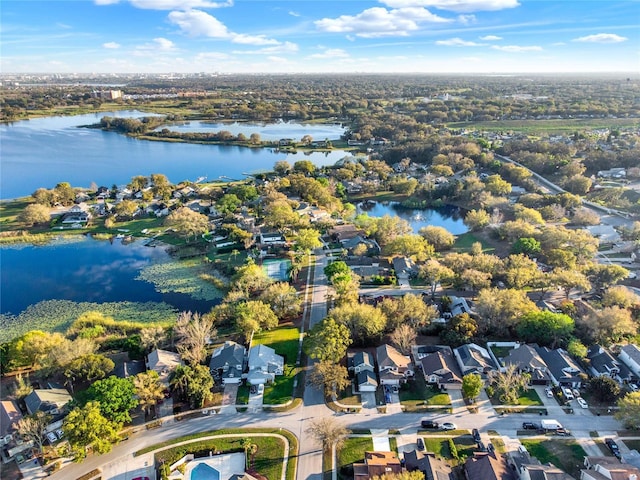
294, 14
517, 48
601, 38
170, 4
461, 6
286, 47
111, 45
164, 44
379, 22
331, 53
467, 19
490, 38
197, 23
458, 42
159, 45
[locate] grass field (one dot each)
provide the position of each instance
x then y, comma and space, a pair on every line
567, 455
284, 341
440, 446
417, 395
464, 242
352, 452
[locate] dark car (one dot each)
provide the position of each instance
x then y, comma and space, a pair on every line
613, 446
420, 443
476, 435
253, 389
530, 426
481, 447
429, 424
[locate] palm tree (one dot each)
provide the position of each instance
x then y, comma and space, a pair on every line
148, 388
180, 379
249, 449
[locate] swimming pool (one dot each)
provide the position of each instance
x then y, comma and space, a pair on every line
202, 471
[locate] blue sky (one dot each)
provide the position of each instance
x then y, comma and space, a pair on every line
325, 36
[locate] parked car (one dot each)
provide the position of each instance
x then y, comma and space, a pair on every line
530, 426
633, 387
576, 392
429, 424
613, 446
59, 433
51, 437
549, 392
563, 432
476, 435
568, 394
420, 443
394, 389
260, 388
582, 402
448, 426
253, 389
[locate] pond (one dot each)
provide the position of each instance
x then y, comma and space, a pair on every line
45, 151
267, 131
448, 217
84, 270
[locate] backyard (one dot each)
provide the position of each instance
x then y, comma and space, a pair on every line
352, 452
417, 396
567, 455
284, 340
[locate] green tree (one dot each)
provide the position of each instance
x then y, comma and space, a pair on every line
138, 183
497, 185
545, 327
608, 325
194, 383
149, 389
254, 316
472, 386
620, 296
346, 286
88, 368
439, 237
187, 223
435, 273
526, 245
246, 193
282, 167
365, 322
605, 276
605, 389
304, 166
228, 204
64, 194
283, 299
476, 220
86, 426
116, 397
408, 309
500, 310
569, 280
34, 347
461, 329
336, 267
34, 214
413, 246
307, 240
125, 209
250, 279
520, 271
327, 341
629, 410
576, 348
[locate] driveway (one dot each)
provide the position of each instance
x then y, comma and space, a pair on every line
229, 398
368, 399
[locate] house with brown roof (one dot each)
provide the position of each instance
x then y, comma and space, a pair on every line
376, 464
393, 367
487, 466
9, 416
164, 362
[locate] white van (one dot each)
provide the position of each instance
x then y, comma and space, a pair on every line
260, 388
567, 393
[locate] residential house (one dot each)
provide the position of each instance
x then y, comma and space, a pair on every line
602, 362
393, 366
403, 265
376, 464
487, 466
543, 472
564, 371
48, 400
272, 239
227, 362
341, 233
630, 356
432, 467
459, 306
164, 362
527, 359
590, 462
129, 369
617, 172
9, 416
75, 217
366, 381
473, 358
418, 352
605, 469
360, 362
264, 365
441, 369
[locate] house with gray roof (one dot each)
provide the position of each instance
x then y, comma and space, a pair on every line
487, 466
264, 365
393, 367
564, 371
441, 369
473, 358
432, 467
527, 359
227, 362
164, 362
543, 472
602, 362
630, 356
48, 400
366, 381
360, 362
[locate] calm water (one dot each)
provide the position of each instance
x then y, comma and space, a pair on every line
447, 217
45, 151
267, 131
86, 270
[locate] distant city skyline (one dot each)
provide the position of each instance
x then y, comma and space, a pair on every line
317, 36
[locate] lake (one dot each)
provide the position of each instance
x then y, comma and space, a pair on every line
448, 217
45, 151
83, 270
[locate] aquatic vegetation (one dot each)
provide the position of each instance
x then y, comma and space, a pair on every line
192, 277
59, 315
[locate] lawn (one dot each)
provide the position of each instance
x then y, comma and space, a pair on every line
416, 396
440, 446
464, 242
567, 455
284, 341
528, 398
352, 452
